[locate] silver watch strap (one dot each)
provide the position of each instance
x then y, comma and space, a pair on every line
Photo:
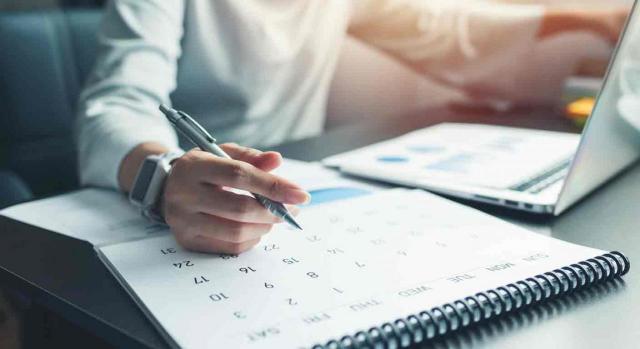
151, 208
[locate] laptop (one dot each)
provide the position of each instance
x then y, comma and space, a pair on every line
531, 170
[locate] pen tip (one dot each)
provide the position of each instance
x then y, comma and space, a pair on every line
292, 221
163, 108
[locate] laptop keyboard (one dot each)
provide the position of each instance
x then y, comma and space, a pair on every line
545, 180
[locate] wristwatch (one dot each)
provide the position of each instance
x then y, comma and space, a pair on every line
149, 183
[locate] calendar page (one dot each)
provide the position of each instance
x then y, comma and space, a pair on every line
359, 263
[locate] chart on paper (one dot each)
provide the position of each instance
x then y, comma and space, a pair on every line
483, 155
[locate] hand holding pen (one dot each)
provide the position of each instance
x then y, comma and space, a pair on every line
205, 216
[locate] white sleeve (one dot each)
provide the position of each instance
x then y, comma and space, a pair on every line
466, 44
135, 71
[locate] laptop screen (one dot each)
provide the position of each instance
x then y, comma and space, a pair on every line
611, 140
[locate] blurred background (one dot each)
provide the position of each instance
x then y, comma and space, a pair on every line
45, 4
50, 45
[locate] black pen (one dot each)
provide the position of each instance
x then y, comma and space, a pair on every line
200, 137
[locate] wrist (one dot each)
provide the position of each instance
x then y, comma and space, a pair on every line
149, 184
130, 165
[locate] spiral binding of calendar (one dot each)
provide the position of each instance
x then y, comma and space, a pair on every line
461, 313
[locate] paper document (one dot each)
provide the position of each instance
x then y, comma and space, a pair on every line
359, 263
102, 216
95, 215
464, 154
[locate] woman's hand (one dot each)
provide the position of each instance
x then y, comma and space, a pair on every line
607, 23
205, 216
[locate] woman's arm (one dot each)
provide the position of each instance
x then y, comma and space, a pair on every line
119, 125
485, 48
135, 71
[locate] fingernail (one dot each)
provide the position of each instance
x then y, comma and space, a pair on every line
297, 196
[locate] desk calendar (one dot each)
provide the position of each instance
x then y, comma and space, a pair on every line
394, 266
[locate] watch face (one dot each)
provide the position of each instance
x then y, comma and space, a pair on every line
143, 180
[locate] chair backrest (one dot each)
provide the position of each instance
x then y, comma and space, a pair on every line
44, 59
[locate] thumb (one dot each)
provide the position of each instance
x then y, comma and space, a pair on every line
265, 161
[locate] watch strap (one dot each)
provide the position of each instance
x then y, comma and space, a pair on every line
149, 202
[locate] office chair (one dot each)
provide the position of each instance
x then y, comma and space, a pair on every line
44, 59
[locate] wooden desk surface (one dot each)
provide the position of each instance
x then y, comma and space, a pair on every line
65, 276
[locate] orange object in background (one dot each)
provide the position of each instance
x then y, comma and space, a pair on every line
579, 110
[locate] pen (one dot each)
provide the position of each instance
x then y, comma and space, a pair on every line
201, 138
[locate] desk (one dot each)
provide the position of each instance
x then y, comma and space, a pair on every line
65, 277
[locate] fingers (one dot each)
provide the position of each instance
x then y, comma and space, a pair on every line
206, 233
216, 201
265, 161
226, 230
201, 243
205, 217
607, 24
207, 168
